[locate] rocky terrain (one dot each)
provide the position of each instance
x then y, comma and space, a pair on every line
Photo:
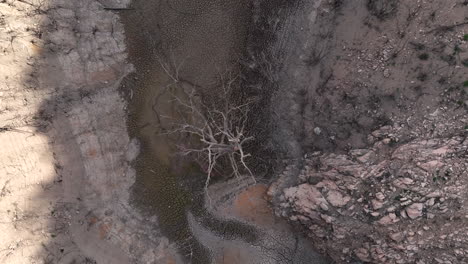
378, 116
391, 203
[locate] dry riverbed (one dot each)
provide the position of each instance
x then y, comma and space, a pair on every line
368, 108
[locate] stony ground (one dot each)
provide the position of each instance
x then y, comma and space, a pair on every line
378, 111
402, 203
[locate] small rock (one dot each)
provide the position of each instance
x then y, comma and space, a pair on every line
415, 210
405, 203
367, 158
358, 152
434, 194
397, 237
412, 248
403, 214
317, 131
371, 139
387, 141
324, 207
304, 219
375, 214
380, 196
388, 219
430, 202
386, 73
305, 197
362, 254
377, 204
382, 132
327, 218
407, 181
385, 220
337, 199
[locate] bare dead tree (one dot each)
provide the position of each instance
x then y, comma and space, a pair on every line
219, 126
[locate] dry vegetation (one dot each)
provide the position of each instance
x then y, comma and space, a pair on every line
216, 125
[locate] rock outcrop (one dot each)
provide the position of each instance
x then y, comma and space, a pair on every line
391, 203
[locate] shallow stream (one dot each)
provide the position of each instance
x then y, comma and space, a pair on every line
201, 38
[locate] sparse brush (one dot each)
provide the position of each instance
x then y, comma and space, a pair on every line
382, 8
220, 129
336, 3
423, 56
422, 77
418, 46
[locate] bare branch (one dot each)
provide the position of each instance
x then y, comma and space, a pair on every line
219, 127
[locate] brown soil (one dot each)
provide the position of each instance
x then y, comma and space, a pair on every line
252, 205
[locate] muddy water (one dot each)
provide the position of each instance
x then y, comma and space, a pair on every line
204, 38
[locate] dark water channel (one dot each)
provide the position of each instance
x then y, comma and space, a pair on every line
201, 38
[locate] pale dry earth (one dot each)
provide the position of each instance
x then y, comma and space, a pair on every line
65, 167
